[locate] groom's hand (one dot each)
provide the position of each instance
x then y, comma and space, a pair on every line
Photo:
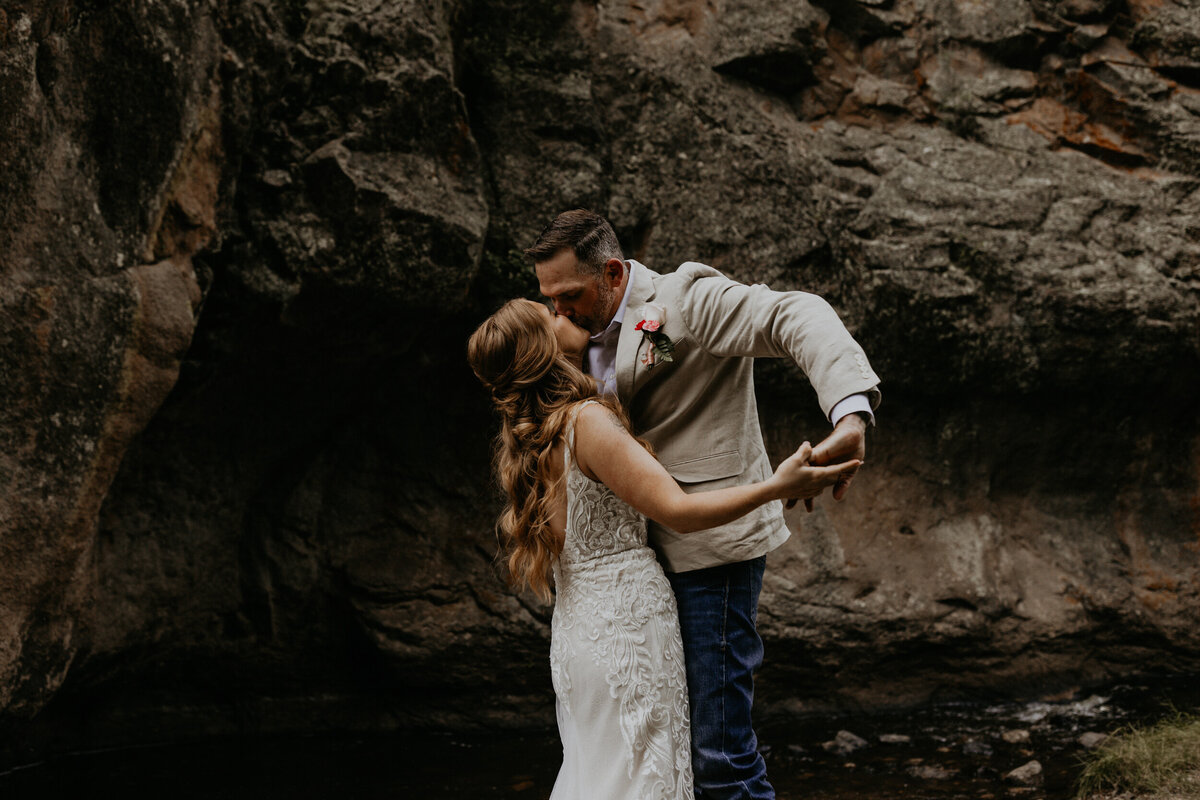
848, 440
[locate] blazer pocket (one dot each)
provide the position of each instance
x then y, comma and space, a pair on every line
726, 464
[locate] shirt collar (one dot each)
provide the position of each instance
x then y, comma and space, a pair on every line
618, 317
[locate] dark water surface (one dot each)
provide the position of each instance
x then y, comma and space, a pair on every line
953, 753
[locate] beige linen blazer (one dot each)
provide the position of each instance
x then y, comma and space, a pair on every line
699, 410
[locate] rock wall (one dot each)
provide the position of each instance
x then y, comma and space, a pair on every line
242, 243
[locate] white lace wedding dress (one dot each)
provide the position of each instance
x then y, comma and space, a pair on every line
615, 656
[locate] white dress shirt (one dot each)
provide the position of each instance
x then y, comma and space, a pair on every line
602, 347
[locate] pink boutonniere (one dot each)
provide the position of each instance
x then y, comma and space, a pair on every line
659, 346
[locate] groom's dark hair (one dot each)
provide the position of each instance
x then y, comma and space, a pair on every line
584, 232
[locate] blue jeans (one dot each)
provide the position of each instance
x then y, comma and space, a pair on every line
718, 608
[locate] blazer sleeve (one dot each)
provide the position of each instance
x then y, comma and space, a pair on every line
731, 319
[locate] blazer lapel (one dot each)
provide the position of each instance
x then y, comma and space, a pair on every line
630, 340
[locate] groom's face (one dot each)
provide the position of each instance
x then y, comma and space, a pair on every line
585, 299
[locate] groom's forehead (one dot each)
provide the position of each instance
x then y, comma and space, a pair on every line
560, 283
560, 274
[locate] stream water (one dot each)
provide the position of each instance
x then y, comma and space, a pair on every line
957, 752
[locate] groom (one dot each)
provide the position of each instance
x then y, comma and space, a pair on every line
692, 397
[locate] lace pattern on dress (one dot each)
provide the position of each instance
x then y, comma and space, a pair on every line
612, 595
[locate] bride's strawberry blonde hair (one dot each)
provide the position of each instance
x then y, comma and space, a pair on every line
535, 389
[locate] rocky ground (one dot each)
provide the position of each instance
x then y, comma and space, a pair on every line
244, 466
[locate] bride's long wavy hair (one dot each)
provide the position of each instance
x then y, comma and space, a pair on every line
535, 389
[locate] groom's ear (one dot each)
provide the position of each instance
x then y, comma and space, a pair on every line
614, 270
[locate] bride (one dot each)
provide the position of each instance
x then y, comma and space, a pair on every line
580, 487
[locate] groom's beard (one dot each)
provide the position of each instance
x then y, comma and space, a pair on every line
595, 323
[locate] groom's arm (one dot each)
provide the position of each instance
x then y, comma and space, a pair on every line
733, 319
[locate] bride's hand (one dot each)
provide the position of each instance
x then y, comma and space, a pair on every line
571, 338
796, 477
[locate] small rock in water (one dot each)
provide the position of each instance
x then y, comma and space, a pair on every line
277, 178
845, 743
1035, 712
796, 748
1017, 736
1026, 775
1089, 706
1091, 740
931, 772
894, 738
974, 747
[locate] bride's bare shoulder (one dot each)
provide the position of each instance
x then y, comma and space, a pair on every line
597, 430
597, 418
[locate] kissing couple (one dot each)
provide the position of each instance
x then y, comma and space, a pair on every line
638, 485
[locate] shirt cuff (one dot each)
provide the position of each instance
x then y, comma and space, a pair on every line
852, 404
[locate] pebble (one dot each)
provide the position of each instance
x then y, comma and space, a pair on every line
931, 772
1026, 774
1091, 740
894, 738
845, 743
277, 178
1016, 736
974, 747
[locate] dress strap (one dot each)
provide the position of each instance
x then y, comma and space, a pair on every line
571, 431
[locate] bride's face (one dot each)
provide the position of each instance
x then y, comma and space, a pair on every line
571, 338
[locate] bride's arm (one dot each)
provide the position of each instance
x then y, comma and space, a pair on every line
607, 452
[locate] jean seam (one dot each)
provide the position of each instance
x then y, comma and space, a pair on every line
746, 590
724, 668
